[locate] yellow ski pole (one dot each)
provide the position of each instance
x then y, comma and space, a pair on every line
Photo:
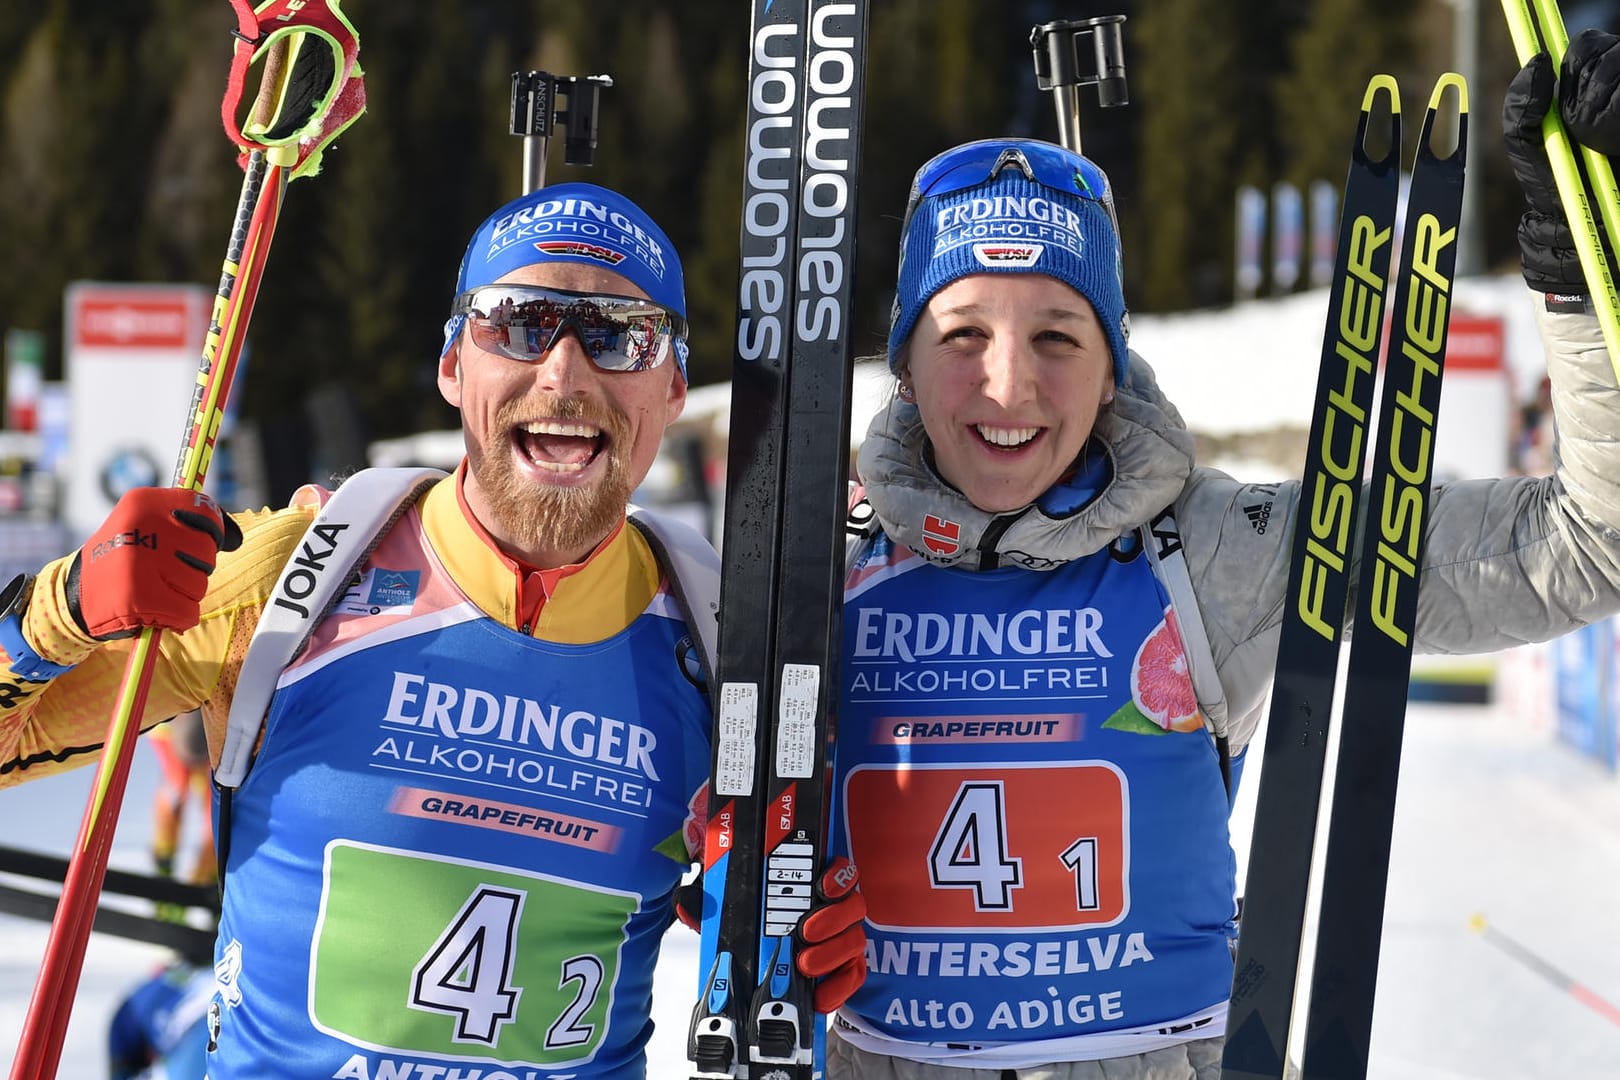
1542, 30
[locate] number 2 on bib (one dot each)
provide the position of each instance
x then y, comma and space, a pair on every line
468, 974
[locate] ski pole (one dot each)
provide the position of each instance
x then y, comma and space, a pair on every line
1541, 29
535, 114
308, 94
1541, 966
1058, 68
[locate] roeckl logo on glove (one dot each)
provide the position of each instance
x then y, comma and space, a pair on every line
133, 538
845, 875
1567, 303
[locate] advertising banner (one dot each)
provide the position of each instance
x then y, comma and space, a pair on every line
130, 359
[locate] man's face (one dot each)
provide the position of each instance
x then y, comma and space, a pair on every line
555, 447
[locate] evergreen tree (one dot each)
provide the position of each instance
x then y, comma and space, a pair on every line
113, 164
1344, 43
1192, 95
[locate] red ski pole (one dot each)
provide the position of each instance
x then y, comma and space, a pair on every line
310, 90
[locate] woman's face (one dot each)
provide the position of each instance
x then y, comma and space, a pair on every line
1008, 371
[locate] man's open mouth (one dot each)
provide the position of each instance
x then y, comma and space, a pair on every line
564, 446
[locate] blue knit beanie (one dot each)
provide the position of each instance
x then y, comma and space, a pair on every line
581, 223
1011, 223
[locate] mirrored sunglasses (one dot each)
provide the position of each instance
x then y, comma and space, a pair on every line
524, 322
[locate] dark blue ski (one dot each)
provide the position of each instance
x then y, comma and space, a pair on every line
1273, 921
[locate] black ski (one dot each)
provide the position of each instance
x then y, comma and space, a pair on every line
1339, 1028
782, 588
1318, 582
192, 942
733, 859
53, 868
815, 498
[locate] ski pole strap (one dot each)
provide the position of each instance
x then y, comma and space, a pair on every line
320, 90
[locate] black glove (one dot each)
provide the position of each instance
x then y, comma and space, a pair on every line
1588, 94
1546, 246
1589, 91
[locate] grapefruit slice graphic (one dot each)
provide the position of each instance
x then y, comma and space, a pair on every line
1160, 685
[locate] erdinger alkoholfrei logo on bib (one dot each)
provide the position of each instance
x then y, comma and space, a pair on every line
1003, 224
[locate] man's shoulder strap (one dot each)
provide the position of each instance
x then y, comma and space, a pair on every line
344, 531
693, 569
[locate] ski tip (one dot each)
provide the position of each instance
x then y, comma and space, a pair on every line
1477, 923
1450, 78
1384, 82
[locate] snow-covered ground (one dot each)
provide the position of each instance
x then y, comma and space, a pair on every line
1496, 819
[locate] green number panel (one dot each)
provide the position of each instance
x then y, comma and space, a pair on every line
418, 955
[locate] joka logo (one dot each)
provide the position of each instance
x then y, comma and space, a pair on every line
940, 536
581, 250
1004, 254
1259, 515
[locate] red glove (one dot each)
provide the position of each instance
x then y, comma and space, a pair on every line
833, 937
148, 564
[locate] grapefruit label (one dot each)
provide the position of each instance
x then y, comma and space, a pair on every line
979, 848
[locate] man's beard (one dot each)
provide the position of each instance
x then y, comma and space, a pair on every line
538, 517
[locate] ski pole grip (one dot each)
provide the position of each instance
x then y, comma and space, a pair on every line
531, 103
1108, 45
1057, 56
532, 93
310, 85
